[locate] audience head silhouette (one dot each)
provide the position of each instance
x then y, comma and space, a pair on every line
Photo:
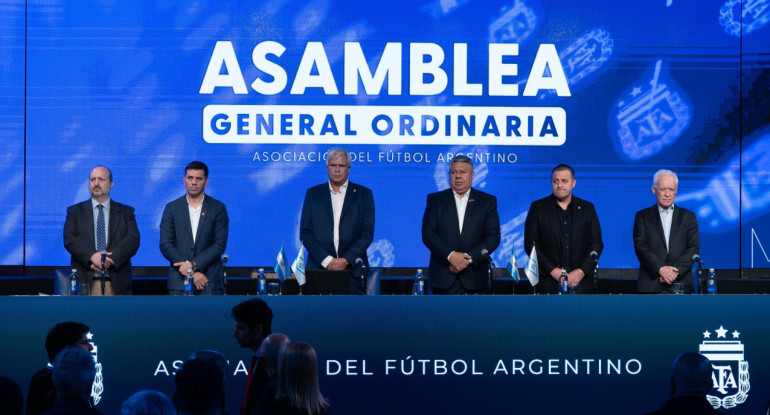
691, 375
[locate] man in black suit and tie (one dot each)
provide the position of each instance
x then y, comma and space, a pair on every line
337, 223
458, 224
193, 234
665, 239
102, 225
253, 323
565, 231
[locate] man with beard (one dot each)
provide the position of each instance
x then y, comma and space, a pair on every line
102, 226
565, 231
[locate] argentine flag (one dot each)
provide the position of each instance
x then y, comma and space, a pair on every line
532, 270
281, 266
513, 267
298, 266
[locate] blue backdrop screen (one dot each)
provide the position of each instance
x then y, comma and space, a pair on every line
261, 90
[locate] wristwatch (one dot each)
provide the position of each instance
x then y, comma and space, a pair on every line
195, 266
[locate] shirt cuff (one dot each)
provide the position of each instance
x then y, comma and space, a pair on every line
450, 255
326, 261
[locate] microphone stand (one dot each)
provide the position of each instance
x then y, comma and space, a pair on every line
363, 279
491, 277
104, 273
699, 278
224, 277
596, 276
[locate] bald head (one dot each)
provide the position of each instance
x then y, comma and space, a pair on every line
691, 375
271, 346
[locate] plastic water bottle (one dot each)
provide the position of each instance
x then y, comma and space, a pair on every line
74, 282
419, 281
563, 282
711, 282
261, 282
188, 282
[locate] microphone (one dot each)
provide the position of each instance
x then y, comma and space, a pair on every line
104, 271
490, 283
104, 260
697, 259
360, 263
595, 257
225, 258
485, 254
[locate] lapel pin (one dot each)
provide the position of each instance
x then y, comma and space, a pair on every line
470, 200
354, 190
203, 213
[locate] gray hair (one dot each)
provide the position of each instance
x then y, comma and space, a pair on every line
462, 158
663, 172
338, 152
148, 402
73, 372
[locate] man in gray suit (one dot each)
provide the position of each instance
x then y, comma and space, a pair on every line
193, 234
102, 225
665, 239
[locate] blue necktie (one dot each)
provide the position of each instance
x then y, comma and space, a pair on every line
101, 234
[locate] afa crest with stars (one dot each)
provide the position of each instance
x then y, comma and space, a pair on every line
730, 370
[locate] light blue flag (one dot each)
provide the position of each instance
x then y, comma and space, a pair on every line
281, 265
298, 266
532, 270
513, 267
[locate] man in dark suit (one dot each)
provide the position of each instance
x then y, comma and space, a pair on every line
337, 223
193, 234
253, 321
102, 225
458, 224
665, 239
565, 231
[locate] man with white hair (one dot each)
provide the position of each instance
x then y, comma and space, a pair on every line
690, 383
665, 239
73, 375
337, 223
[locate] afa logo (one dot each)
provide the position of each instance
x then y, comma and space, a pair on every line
650, 115
730, 374
98, 387
738, 16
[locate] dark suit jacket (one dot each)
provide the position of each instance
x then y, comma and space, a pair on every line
176, 241
650, 247
122, 241
266, 396
441, 234
356, 225
542, 229
258, 383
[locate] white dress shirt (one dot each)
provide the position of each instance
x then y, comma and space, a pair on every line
666, 215
338, 199
195, 216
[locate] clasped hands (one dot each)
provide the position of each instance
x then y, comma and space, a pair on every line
668, 274
458, 261
96, 261
199, 278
